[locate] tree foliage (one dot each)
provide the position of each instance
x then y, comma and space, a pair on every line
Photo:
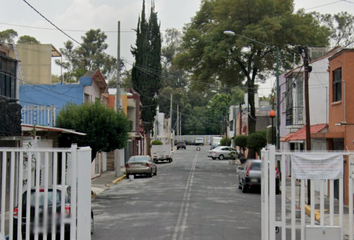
341, 27
89, 56
146, 72
25, 39
7, 36
106, 129
241, 141
225, 141
260, 26
256, 141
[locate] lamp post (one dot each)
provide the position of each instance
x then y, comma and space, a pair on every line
272, 115
231, 33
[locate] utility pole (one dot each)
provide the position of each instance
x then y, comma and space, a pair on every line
171, 120
117, 162
307, 115
178, 123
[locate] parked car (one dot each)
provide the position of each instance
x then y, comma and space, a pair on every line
250, 175
142, 165
199, 141
181, 145
41, 204
222, 152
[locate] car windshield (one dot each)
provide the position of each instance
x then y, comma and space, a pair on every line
138, 159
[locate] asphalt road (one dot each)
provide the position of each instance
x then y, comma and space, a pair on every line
194, 197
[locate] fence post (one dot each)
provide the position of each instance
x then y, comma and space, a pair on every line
84, 193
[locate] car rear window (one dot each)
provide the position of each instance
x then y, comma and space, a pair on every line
255, 166
138, 159
41, 198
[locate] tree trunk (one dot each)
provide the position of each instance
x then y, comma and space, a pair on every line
148, 142
251, 116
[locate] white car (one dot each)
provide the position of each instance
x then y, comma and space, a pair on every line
199, 141
222, 152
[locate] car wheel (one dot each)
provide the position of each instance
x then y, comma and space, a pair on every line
221, 157
213, 158
92, 223
127, 175
150, 174
156, 170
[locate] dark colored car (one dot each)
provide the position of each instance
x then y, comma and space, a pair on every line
250, 175
41, 224
181, 145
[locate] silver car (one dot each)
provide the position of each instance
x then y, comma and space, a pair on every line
140, 165
222, 152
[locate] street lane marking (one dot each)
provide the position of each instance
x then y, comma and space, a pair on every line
183, 212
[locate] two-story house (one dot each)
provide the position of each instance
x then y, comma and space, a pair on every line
292, 104
10, 111
340, 135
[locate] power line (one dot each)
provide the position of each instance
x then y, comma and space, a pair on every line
51, 22
73, 30
323, 5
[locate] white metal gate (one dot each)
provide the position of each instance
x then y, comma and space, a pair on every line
330, 220
36, 171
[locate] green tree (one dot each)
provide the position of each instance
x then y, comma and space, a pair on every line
225, 141
55, 79
89, 56
146, 72
341, 26
241, 141
212, 57
106, 129
7, 36
256, 141
25, 39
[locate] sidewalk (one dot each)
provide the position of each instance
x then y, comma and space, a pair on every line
104, 181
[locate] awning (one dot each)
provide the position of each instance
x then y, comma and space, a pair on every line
300, 135
29, 127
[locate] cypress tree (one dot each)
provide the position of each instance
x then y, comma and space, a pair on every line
146, 72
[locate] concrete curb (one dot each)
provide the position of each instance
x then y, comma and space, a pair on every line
317, 212
119, 179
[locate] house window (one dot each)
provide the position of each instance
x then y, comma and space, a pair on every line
7, 77
289, 101
87, 98
337, 85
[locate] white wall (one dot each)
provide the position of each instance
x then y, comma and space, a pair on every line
318, 92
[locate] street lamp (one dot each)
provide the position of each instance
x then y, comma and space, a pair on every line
231, 33
272, 115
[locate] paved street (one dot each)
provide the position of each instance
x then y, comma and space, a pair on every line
193, 197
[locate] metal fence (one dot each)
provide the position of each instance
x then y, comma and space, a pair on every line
39, 115
325, 218
46, 185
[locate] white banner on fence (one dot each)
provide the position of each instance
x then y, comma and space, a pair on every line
317, 166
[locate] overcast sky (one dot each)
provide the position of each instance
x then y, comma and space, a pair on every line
76, 17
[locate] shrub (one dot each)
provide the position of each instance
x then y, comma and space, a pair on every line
257, 141
225, 141
241, 141
156, 142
